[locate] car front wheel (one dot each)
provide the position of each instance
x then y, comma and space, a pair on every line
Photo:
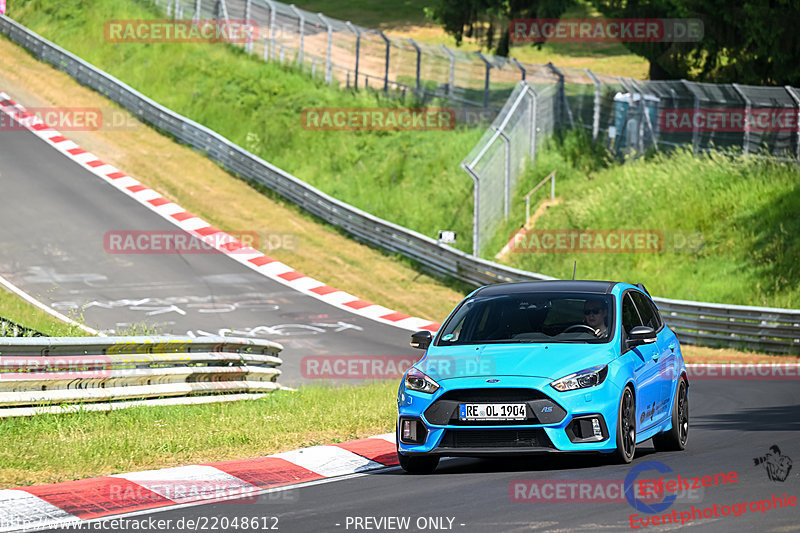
626, 427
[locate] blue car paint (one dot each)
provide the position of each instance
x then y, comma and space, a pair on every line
652, 370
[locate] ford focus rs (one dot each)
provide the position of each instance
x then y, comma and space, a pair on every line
551, 366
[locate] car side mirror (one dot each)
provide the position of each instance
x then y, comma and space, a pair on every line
641, 335
421, 340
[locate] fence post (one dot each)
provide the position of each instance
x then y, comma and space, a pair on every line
520, 67
695, 132
328, 66
596, 106
223, 9
176, 9
534, 104
506, 173
302, 28
747, 111
645, 116
386, 70
486, 80
358, 49
476, 205
451, 79
796, 100
198, 5
269, 45
247, 11
562, 93
419, 59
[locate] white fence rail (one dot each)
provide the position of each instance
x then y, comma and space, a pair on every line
764, 329
54, 374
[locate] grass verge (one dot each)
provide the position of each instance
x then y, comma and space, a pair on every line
55, 448
14, 308
739, 214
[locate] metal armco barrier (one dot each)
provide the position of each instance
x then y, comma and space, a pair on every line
42, 374
763, 329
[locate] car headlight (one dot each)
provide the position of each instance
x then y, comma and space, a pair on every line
418, 381
580, 380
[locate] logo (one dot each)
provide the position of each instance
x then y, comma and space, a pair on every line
639, 504
492, 381
547, 409
777, 465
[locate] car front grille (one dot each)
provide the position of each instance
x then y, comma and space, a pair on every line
495, 438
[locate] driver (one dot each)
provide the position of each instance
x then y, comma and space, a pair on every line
596, 312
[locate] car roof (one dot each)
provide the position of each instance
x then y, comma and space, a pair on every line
584, 286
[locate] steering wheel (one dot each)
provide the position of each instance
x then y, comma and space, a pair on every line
576, 326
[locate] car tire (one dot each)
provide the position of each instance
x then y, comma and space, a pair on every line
674, 439
626, 427
424, 464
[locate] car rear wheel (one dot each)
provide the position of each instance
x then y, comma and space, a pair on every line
418, 464
626, 427
674, 439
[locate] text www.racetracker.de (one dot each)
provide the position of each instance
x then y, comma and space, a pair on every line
200, 523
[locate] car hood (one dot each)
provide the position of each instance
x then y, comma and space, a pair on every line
552, 361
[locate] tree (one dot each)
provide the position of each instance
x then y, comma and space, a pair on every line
750, 42
488, 20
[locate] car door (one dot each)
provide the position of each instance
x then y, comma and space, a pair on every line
665, 357
645, 366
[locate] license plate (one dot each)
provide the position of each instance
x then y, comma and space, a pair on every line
492, 411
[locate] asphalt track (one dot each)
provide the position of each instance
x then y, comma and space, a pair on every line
53, 215
732, 422
53, 218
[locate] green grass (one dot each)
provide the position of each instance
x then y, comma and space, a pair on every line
745, 210
54, 448
411, 178
21, 312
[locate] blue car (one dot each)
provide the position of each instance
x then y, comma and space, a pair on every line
549, 366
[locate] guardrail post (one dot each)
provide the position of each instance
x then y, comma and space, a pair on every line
565, 110
419, 61
451, 76
302, 29
386, 70
358, 48
476, 208
747, 112
269, 45
596, 106
486, 79
328, 66
796, 100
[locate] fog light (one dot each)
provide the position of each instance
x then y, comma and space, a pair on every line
410, 430
596, 428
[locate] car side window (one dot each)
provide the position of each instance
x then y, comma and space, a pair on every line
630, 317
646, 309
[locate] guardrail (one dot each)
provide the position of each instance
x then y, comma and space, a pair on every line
778, 330
58, 374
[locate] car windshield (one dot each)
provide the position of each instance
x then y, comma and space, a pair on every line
530, 317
